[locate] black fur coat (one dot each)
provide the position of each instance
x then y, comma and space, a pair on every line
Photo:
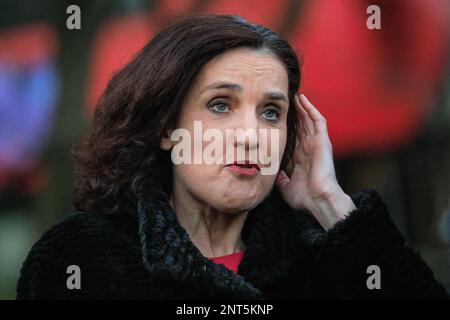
146, 254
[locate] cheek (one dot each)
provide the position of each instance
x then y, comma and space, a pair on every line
195, 175
202, 180
283, 141
276, 147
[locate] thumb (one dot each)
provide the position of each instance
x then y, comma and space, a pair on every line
282, 180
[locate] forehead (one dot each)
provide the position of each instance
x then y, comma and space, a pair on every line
246, 67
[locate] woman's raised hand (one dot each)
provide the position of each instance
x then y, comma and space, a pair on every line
312, 184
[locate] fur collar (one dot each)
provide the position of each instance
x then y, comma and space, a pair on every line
169, 254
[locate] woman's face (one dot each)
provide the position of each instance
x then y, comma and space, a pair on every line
239, 89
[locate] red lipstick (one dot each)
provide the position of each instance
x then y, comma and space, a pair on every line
245, 168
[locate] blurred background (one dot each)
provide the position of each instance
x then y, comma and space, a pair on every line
385, 93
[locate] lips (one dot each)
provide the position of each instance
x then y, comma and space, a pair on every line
245, 168
244, 164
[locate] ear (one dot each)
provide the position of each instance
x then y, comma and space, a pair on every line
166, 143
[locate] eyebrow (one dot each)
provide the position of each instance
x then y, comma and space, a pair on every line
238, 88
222, 85
276, 96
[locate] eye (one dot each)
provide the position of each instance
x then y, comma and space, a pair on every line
218, 106
272, 114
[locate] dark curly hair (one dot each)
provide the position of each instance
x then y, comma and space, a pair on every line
143, 100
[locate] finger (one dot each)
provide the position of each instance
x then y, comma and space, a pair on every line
282, 180
301, 120
320, 124
306, 122
309, 107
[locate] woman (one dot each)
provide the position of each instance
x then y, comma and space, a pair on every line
151, 227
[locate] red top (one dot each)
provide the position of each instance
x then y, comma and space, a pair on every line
231, 261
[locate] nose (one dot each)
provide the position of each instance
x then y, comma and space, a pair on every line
246, 130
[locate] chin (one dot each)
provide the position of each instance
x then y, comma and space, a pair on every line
239, 200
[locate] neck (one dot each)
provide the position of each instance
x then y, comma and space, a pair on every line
213, 232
